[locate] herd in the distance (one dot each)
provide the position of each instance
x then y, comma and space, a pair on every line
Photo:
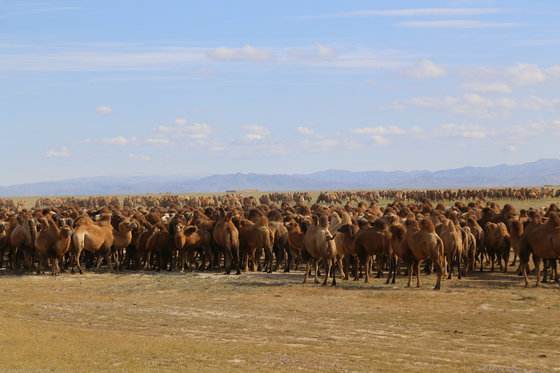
347, 234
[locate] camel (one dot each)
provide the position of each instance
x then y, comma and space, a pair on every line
542, 240
374, 241
47, 236
497, 244
516, 231
346, 249
469, 248
226, 237
400, 251
320, 245
478, 233
254, 237
4, 241
122, 239
22, 240
296, 244
95, 237
189, 238
422, 242
61, 247
451, 236
281, 244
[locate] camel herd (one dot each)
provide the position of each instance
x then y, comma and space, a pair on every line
281, 232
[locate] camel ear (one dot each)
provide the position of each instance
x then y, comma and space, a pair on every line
190, 230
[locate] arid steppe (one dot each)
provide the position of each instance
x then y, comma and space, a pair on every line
209, 322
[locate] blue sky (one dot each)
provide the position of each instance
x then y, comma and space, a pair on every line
203, 87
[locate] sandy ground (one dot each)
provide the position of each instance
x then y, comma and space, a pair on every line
265, 323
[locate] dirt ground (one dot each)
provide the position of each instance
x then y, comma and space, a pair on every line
257, 322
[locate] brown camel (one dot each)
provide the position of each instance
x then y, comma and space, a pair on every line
320, 245
542, 240
497, 244
374, 241
95, 237
451, 236
226, 237
253, 238
422, 242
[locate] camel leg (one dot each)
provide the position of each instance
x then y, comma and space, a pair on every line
270, 260
306, 272
368, 259
395, 270
514, 259
328, 265
316, 270
409, 274
77, 261
109, 259
334, 273
459, 267
538, 270
438, 272
523, 267
451, 265
227, 261
417, 267
339, 261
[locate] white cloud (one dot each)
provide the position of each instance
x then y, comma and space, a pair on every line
425, 69
539, 103
380, 130
411, 12
119, 140
380, 134
511, 148
324, 51
104, 110
456, 24
488, 87
61, 152
526, 74
247, 53
157, 141
305, 130
474, 132
180, 121
195, 131
380, 140
469, 104
139, 157
256, 132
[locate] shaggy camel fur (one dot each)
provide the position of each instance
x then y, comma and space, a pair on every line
226, 237
374, 241
542, 240
422, 242
497, 244
95, 237
452, 239
253, 238
319, 244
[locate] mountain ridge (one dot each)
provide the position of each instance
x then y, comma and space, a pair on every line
537, 173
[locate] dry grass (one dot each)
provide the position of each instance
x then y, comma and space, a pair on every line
265, 323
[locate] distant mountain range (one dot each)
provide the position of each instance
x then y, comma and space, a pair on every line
541, 172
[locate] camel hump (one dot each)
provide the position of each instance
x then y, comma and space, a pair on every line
428, 226
554, 219
379, 225
398, 231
